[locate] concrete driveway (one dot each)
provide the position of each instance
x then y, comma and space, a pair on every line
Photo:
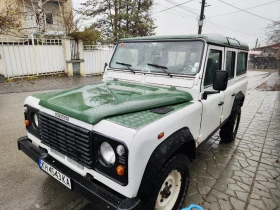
242, 175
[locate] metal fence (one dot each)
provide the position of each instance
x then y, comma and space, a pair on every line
26, 57
95, 57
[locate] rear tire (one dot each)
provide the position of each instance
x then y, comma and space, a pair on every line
171, 186
229, 129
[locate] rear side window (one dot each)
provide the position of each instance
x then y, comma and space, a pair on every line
241, 63
214, 63
230, 64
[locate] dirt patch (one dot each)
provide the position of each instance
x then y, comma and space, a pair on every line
273, 84
265, 70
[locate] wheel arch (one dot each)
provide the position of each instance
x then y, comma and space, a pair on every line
238, 101
181, 141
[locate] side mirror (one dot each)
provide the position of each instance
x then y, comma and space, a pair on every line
105, 65
220, 80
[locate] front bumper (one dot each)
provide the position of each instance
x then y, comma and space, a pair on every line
95, 193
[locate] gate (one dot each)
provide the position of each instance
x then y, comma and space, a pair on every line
74, 49
27, 57
95, 57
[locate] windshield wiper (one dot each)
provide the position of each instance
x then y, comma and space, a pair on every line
127, 65
161, 67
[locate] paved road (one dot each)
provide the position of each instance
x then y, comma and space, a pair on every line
228, 176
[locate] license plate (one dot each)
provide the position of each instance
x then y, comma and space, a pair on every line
55, 173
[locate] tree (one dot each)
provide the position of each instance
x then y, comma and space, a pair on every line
120, 18
273, 32
89, 35
9, 18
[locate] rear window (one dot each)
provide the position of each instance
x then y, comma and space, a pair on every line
241, 63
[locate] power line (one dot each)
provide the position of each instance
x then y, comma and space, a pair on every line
176, 11
216, 25
224, 5
233, 29
247, 11
177, 5
244, 9
182, 7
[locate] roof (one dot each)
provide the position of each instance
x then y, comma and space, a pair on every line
255, 52
273, 46
216, 39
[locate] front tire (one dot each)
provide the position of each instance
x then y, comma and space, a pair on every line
171, 186
229, 129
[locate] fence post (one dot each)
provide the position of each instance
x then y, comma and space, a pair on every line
81, 56
67, 56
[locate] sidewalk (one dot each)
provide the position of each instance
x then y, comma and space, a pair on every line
244, 174
46, 83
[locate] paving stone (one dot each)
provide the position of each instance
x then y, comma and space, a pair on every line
219, 195
270, 205
242, 195
245, 172
237, 204
250, 207
224, 205
257, 203
211, 206
203, 189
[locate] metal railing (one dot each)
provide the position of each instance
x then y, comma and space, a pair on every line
98, 47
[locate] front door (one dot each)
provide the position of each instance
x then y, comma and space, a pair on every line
213, 105
231, 91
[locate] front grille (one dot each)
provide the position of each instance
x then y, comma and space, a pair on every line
68, 139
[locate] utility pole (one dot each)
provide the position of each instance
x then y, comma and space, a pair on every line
256, 43
201, 18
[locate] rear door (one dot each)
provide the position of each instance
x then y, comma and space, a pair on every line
213, 105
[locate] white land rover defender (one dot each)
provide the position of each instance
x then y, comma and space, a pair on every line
127, 142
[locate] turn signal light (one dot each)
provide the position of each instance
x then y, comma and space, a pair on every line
26, 122
160, 135
120, 170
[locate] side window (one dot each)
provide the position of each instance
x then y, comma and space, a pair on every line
214, 63
241, 63
230, 64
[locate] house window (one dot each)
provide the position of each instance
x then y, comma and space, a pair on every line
49, 18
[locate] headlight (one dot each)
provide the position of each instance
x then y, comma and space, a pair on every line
107, 153
36, 121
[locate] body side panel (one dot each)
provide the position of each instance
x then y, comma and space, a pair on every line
146, 140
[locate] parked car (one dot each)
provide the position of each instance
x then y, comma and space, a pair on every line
127, 142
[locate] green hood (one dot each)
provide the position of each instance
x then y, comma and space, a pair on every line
92, 103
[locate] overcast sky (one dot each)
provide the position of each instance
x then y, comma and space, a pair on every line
240, 25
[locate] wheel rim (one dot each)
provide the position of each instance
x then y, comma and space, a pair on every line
169, 191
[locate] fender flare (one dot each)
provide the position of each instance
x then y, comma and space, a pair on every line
180, 141
238, 101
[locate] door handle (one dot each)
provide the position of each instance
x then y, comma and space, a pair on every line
233, 94
221, 103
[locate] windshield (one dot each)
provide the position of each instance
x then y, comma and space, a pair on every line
181, 57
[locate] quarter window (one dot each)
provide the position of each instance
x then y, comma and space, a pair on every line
241, 63
214, 63
230, 64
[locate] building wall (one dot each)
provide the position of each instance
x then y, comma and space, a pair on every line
28, 18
